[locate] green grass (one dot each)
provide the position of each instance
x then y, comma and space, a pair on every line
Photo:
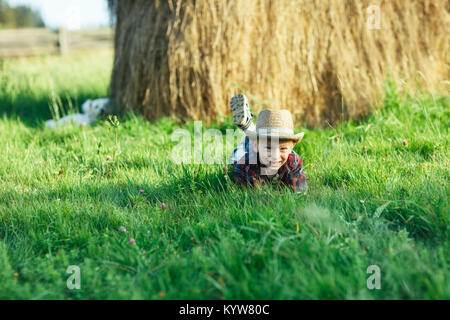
31, 88
214, 241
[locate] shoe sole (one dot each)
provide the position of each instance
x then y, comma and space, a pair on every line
239, 107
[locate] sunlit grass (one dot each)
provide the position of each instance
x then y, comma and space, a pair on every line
64, 195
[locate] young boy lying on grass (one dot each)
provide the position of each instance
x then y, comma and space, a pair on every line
266, 155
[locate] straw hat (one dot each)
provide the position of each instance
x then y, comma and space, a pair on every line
275, 123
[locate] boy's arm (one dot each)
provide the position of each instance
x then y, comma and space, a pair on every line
298, 180
239, 175
243, 175
296, 177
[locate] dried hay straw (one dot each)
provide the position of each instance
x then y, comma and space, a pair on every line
187, 58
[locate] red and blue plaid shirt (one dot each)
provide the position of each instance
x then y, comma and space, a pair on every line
290, 174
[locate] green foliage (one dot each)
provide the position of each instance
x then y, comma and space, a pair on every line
65, 193
19, 17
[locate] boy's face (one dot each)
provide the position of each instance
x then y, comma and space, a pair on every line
272, 153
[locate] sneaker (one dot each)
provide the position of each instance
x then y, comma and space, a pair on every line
242, 117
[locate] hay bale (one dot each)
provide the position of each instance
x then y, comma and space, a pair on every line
187, 58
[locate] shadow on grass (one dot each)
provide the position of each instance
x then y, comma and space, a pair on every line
125, 194
32, 111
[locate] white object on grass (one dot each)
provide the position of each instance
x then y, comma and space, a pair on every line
91, 110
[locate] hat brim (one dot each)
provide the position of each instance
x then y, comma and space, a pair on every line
296, 137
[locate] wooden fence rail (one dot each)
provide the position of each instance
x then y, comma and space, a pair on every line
37, 41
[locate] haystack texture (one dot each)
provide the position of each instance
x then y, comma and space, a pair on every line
322, 60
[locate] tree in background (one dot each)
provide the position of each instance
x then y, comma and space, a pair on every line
19, 17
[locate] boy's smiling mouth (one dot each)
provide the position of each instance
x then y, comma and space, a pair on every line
275, 163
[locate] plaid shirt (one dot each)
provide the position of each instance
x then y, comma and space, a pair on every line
289, 174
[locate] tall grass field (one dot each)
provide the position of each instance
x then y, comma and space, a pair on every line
378, 195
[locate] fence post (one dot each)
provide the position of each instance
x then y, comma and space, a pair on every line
63, 40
